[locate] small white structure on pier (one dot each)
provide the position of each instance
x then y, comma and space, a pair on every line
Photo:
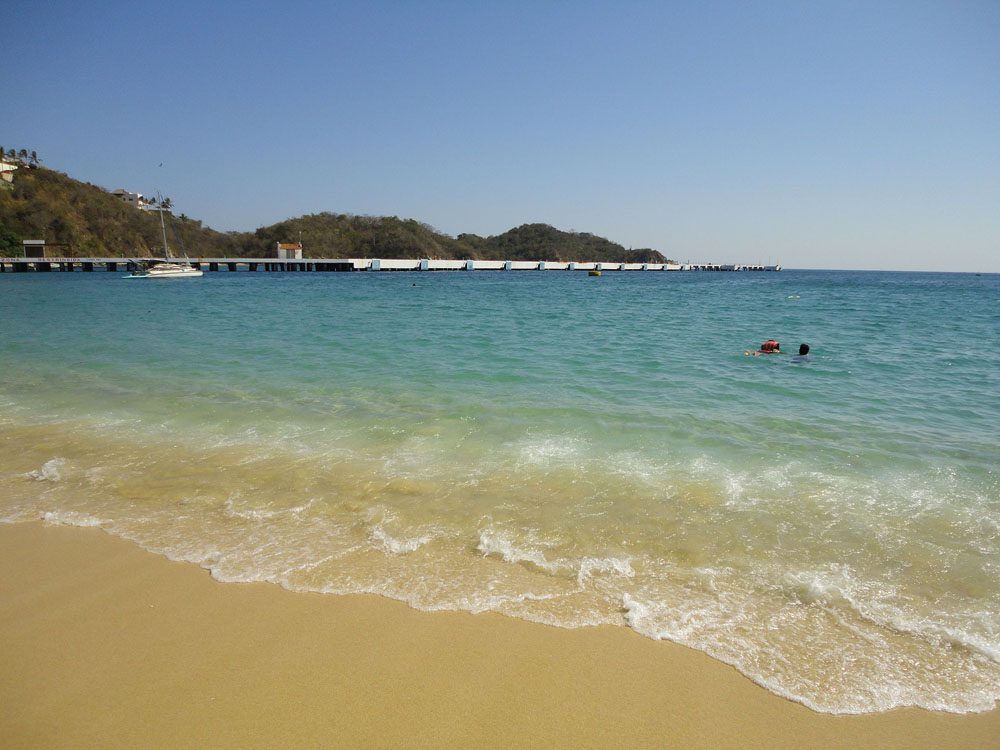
33, 248
290, 252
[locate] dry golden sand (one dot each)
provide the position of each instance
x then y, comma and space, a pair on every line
105, 645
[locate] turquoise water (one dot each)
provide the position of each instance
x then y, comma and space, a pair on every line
560, 448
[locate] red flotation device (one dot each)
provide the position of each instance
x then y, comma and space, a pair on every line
770, 346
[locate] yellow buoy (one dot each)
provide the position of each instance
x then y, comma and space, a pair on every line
594, 273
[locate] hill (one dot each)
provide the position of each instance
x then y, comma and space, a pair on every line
543, 242
329, 235
86, 220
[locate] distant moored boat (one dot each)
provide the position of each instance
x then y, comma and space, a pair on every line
165, 269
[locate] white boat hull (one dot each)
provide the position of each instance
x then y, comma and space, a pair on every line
168, 271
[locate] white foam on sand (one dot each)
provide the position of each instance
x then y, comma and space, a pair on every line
50, 470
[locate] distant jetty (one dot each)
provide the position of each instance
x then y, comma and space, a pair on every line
313, 265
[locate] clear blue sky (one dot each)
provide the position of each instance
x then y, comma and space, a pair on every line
826, 134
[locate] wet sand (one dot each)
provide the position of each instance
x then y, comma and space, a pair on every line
106, 645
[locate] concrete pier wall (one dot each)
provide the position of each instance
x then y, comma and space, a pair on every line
232, 265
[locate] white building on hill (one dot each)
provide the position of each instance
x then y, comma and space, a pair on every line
7, 170
133, 199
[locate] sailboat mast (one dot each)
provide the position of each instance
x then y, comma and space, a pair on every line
163, 227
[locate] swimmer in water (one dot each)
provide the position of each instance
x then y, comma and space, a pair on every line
768, 347
803, 355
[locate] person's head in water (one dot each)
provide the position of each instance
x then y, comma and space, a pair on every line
803, 349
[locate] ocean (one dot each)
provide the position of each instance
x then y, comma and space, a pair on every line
555, 447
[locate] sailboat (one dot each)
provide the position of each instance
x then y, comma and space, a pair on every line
167, 268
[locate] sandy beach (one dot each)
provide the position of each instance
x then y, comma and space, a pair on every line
106, 645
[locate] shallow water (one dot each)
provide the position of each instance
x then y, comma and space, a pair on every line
566, 449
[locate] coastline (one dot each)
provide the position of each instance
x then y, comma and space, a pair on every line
109, 645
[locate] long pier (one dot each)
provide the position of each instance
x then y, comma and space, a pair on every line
313, 265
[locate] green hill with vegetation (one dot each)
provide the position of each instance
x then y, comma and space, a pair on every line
83, 220
87, 221
543, 242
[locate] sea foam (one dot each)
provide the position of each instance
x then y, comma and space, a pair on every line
50, 470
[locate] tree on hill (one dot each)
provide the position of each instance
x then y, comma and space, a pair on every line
22, 157
10, 243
